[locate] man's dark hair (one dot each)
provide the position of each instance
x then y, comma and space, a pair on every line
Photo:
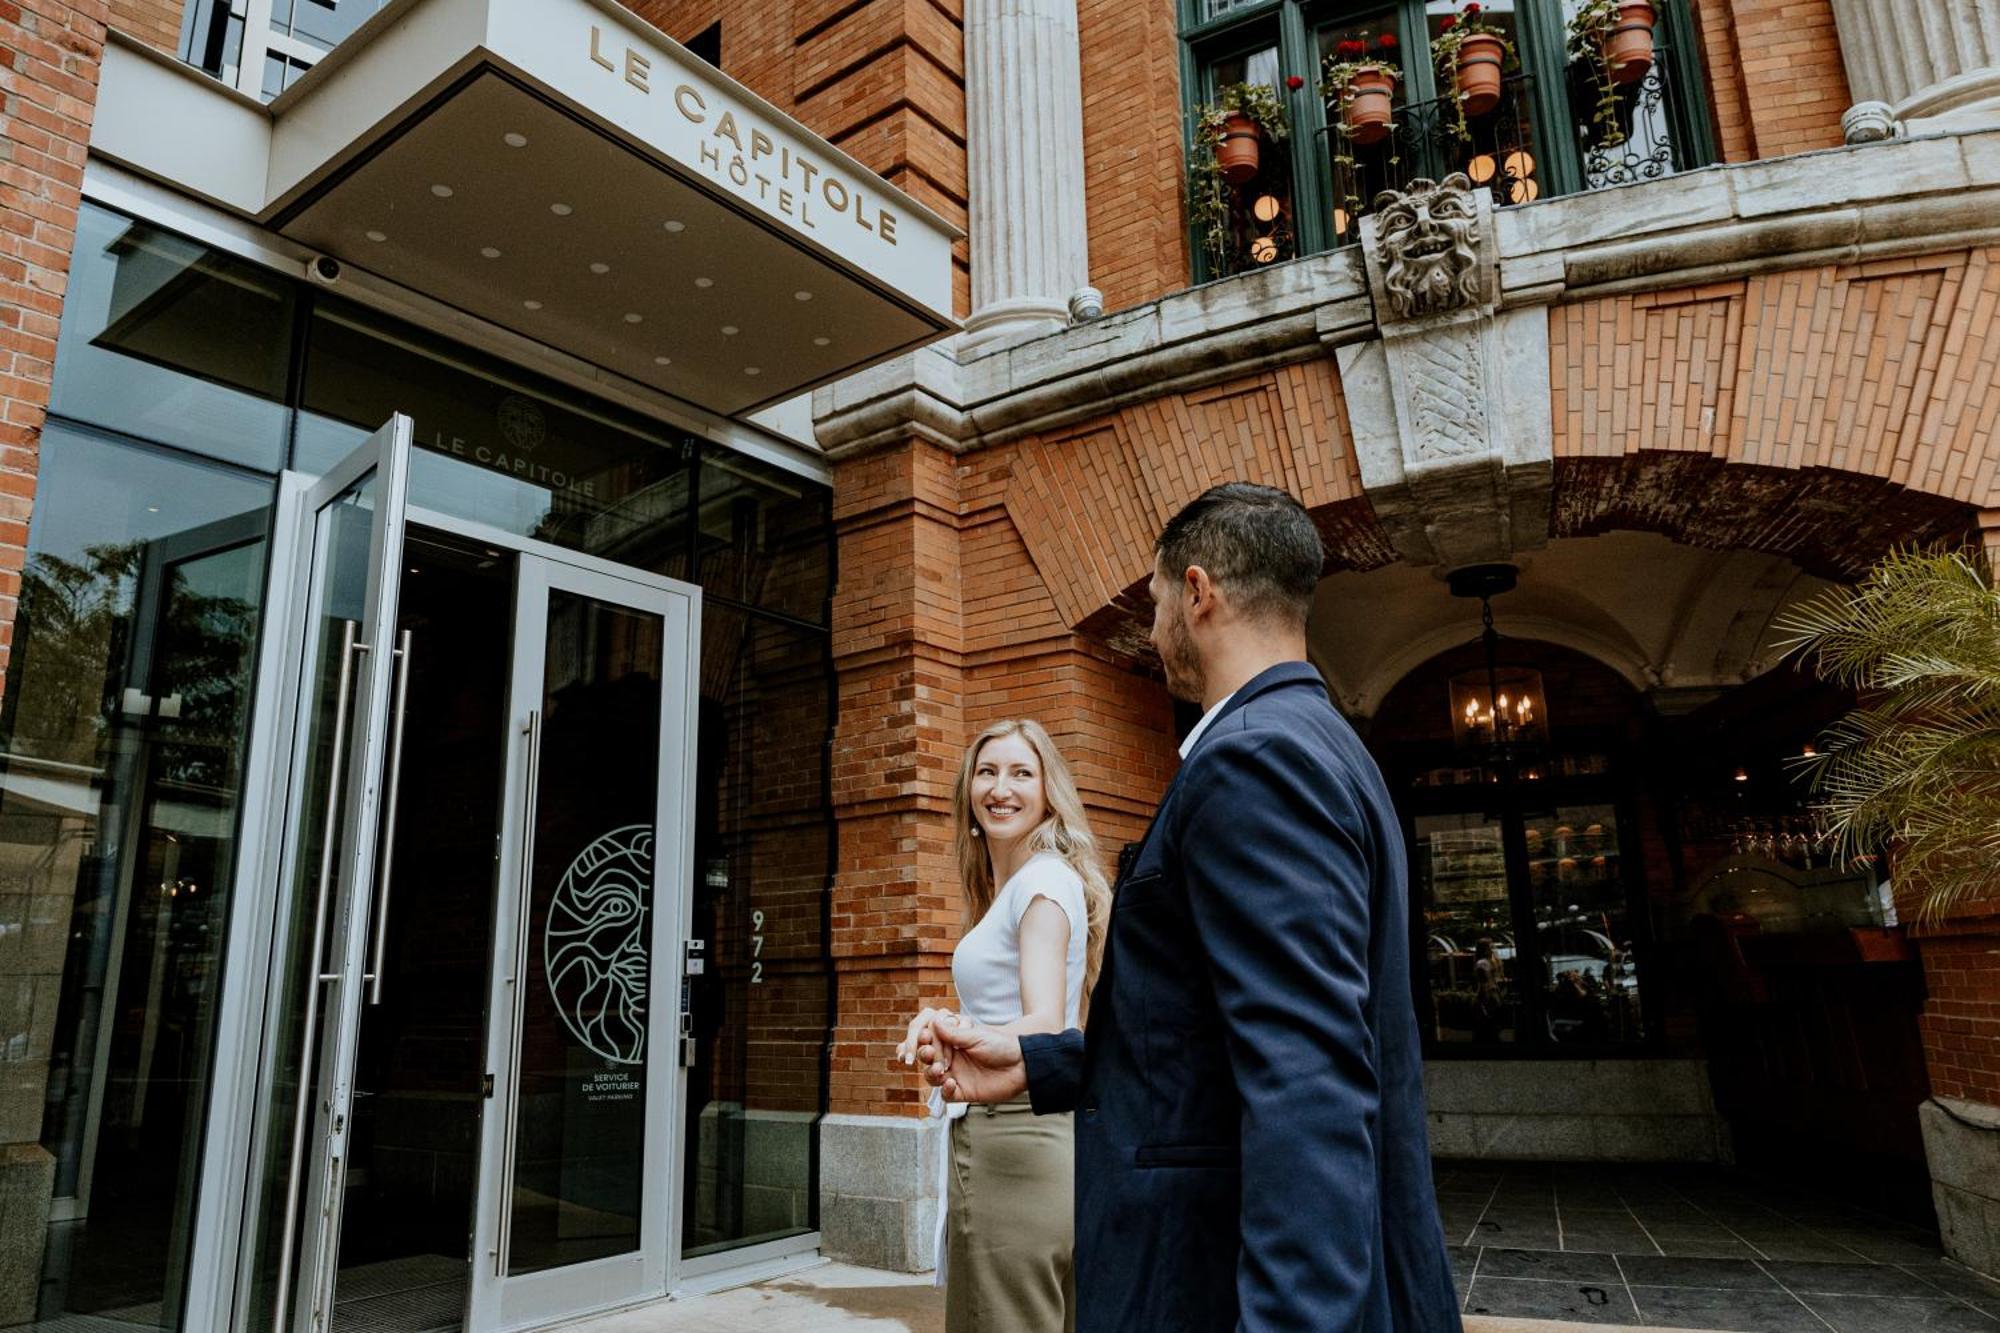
1255, 541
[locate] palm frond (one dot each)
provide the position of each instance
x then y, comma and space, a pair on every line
1916, 768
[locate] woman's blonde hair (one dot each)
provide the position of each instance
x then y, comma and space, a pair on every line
1065, 831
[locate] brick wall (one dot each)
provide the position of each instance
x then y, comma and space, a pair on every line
1132, 149
1728, 103
49, 56
1961, 1022
1776, 84
157, 23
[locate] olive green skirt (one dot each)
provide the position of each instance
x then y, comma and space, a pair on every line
1010, 1223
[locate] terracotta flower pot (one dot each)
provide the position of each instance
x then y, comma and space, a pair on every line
1366, 107
1240, 148
1479, 61
1628, 47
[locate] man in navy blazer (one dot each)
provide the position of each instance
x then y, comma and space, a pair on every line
1250, 1142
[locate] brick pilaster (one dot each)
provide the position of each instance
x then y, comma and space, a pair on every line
50, 52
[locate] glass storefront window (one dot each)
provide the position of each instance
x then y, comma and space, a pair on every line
167, 340
763, 864
1589, 975
121, 735
495, 445
1461, 883
765, 537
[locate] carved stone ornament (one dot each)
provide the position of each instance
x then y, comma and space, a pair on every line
1450, 405
1429, 248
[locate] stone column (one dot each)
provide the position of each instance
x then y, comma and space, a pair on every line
1918, 62
1024, 150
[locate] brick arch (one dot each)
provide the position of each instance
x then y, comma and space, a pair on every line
1831, 524
1824, 413
1088, 502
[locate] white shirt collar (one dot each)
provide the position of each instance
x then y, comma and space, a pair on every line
1187, 746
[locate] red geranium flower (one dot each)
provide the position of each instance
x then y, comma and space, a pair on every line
1472, 9
1387, 42
1352, 48
1295, 83
1450, 22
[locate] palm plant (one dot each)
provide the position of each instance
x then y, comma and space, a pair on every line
1915, 767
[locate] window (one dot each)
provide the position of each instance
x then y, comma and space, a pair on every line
1550, 131
126, 702
262, 47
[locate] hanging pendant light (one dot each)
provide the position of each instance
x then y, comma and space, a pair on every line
1502, 709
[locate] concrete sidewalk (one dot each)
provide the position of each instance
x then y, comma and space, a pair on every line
839, 1298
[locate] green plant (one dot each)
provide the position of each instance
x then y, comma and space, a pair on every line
1208, 193
1348, 59
1588, 30
1261, 103
1209, 205
1469, 22
1915, 768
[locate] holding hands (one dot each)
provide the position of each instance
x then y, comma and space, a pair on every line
966, 1060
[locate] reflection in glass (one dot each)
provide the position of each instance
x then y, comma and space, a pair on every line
763, 863
496, 445
1590, 979
320, 23
121, 737
1254, 67
342, 542
1461, 880
173, 342
580, 1123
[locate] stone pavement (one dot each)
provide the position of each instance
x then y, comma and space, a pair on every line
839, 1298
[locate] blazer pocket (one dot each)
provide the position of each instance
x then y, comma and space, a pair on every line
1138, 890
1187, 1154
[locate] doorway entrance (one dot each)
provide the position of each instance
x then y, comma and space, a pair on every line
477, 830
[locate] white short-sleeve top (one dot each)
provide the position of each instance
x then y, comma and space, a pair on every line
986, 966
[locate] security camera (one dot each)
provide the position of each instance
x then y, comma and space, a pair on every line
324, 269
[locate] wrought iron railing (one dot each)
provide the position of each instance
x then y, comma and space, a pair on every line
1501, 150
1506, 150
1652, 135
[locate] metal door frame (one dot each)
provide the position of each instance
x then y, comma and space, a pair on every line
498, 1301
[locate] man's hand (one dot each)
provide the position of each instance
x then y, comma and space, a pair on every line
972, 1063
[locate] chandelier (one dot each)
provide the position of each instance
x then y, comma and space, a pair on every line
1501, 709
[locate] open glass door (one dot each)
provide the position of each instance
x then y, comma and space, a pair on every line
337, 691
577, 1191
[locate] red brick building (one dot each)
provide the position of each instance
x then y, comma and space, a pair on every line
727, 548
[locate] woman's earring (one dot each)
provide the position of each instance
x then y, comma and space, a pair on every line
975, 830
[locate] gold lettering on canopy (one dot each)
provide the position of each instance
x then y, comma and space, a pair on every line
793, 187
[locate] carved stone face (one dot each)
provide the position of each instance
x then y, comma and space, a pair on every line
1427, 237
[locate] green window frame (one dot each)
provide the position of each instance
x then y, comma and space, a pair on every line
1291, 27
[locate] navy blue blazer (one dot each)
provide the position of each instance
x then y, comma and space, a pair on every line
1250, 1139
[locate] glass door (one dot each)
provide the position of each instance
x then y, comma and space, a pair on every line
577, 1168
1459, 877
335, 687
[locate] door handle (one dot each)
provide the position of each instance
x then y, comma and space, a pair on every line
316, 977
532, 781
388, 857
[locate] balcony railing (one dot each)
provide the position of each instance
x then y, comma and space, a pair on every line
1503, 154
1652, 119
1513, 151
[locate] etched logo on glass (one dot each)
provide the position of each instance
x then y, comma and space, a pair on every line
594, 945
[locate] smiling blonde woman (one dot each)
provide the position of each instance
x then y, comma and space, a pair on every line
1036, 905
